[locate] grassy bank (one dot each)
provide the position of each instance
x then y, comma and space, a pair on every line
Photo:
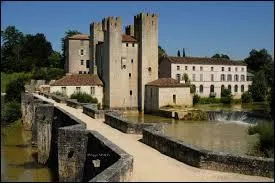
7, 78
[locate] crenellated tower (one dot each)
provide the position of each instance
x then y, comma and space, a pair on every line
146, 33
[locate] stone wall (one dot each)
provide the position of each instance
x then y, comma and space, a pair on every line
114, 120
93, 112
74, 153
205, 159
164, 113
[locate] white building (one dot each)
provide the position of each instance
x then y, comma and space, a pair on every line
209, 75
88, 83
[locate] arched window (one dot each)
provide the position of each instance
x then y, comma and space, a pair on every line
212, 88
236, 88
222, 88
229, 88
201, 89
242, 88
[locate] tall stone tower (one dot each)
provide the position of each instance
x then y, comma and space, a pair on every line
112, 75
146, 32
96, 35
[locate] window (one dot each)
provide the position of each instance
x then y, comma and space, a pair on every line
130, 75
178, 77
236, 77
229, 88
200, 68
88, 72
84, 72
81, 42
149, 69
229, 77
212, 88
77, 89
174, 99
194, 68
201, 77
92, 90
82, 62
133, 45
236, 69
178, 67
236, 88
201, 89
222, 88
131, 92
126, 44
132, 60
186, 68
63, 90
242, 77
242, 69
212, 68
222, 68
229, 68
194, 77
242, 88
81, 52
87, 63
212, 77
80, 72
249, 86
222, 77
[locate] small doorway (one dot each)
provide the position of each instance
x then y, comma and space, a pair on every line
174, 99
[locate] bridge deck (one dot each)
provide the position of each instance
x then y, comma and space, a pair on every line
149, 164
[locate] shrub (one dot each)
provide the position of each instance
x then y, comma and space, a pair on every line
192, 89
14, 89
83, 97
196, 99
206, 100
11, 112
99, 106
266, 135
59, 94
246, 97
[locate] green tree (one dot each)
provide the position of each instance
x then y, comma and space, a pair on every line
186, 78
246, 97
11, 49
178, 53
55, 60
258, 88
226, 96
14, 89
258, 59
161, 53
183, 52
36, 51
220, 56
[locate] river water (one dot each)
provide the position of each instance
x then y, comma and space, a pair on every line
221, 136
18, 161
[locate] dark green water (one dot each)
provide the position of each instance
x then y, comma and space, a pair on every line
18, 161
230, 137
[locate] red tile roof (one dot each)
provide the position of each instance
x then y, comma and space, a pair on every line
78, 80
204, 61
128, 38
167, 82
80, 37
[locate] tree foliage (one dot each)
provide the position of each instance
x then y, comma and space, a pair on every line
178, 53
161, 53
258, 88
220, 56
258, 59
226, 96
183, 52
14, 89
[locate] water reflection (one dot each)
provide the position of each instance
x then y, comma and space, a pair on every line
230, 137
17, 157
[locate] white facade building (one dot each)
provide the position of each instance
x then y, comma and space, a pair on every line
209, 75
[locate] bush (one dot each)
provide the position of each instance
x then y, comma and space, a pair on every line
226, 97
266, 135
196, 99
59, 94
84, 97
206, 100
7, 78
99, 106
11, 112
14, 89
47, 74
246, 97
192, 89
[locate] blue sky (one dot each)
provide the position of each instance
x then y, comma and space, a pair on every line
202, 28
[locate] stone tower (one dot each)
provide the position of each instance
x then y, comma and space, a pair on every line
146, 33
96, 35
112, 75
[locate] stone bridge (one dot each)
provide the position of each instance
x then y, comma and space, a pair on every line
79, 140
